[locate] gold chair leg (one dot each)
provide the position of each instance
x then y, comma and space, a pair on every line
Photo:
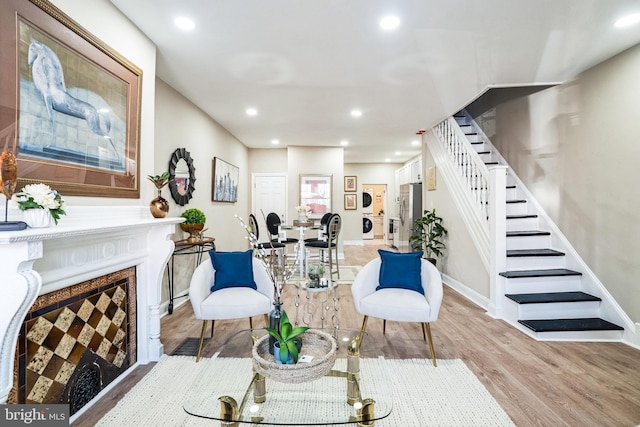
204, 326
384, 326
364, 327
433, 351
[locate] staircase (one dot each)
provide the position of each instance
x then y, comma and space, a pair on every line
546, 294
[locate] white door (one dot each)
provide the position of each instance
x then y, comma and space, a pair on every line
269, 195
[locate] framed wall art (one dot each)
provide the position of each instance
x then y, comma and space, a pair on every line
225, 181
316, 192
350, 183
350, 202
73, 112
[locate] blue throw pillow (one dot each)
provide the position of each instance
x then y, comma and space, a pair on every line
400, 270
232, 270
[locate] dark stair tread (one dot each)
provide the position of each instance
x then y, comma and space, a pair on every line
565, 325
533, 252
484, 152
551, 297
527, 233
523, 216
511, 186
551, 272
477, 142
491, 163
517, 201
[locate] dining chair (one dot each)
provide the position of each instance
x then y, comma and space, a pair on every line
328, 249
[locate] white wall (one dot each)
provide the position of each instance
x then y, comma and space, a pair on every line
180, 124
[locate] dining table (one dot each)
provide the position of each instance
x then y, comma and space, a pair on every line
302, 255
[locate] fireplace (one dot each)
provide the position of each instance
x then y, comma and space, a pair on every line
91, 245
74, 342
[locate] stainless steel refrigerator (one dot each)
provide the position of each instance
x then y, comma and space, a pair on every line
410, 209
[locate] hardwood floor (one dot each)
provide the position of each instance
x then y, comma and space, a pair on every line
537, 383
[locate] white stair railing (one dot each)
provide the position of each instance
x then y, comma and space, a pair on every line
479, 193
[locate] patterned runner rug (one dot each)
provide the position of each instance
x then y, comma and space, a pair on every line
423, 395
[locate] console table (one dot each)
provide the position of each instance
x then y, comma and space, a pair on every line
187, 247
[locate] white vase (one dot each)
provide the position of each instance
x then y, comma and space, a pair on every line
302, 216
38, 218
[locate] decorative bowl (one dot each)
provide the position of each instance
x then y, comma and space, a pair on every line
318, 344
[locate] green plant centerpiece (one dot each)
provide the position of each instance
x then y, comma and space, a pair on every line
315, 271
193, 224
427, 235
287, 339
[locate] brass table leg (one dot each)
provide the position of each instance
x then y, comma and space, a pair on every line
259, 389
228, 411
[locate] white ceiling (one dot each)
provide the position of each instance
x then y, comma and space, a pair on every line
305, 64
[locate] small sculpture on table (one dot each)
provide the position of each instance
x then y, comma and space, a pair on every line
8, 183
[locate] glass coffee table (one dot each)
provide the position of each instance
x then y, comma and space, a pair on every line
231, 391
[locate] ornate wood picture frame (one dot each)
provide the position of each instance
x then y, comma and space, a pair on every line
70, 104
350, 202
350, 183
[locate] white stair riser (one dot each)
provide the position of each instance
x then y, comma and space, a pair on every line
559, 310
520, 224
532, 285
528, 242
512, 193
588, 336
535, 262
474, 138
516, 208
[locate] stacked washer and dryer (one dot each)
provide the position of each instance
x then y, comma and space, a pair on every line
367, 213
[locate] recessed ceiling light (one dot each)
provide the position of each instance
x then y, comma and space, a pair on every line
415, 142
184, 23
387, 160
397, 153
356, 113
344, 142
275, 142
389, 22
251, 112
628, 20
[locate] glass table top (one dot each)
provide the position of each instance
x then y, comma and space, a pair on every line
229, 390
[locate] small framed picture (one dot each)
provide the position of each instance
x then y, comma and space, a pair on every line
350, 202
350, 183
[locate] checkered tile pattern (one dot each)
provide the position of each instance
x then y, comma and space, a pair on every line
57, 340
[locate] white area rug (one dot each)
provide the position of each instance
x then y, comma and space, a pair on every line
449, 395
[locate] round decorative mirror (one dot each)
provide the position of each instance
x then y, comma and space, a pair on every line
182, 176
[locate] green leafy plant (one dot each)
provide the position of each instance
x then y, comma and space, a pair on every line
287, 338
193, 216
316, 269
427, 234
159, 180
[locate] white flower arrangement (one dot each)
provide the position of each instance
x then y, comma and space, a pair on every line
40, 196
303, 208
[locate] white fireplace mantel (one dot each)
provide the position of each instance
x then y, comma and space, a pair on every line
87, 243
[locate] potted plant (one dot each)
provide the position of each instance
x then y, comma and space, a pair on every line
427, 234
315, 272
194, 223
287, 344
159, 206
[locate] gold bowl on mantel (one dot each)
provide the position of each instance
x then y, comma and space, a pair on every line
194, 231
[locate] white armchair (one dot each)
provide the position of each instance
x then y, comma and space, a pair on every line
228, 303
396, 304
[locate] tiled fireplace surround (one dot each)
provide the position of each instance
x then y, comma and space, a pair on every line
88, 243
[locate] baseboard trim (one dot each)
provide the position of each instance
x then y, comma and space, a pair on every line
473, 296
